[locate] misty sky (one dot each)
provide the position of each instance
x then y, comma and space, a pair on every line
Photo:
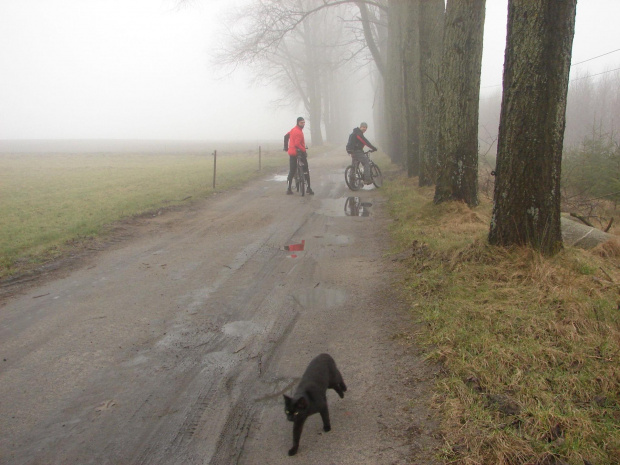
140, 69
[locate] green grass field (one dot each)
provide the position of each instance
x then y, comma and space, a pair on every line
50, 199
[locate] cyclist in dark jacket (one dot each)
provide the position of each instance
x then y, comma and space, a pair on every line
355, 148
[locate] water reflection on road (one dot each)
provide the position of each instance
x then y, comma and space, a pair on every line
354, 206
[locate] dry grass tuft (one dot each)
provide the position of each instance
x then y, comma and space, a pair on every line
530, 345
609, 249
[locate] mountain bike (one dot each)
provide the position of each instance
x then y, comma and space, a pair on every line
354, 174
300, 176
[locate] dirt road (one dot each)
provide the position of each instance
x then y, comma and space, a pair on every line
175, 342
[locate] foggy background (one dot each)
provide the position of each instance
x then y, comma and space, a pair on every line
142, 69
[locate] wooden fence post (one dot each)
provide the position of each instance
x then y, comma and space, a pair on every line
214, 166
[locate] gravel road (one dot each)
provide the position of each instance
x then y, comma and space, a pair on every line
174, 342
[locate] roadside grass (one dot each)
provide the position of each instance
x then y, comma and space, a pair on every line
50, 200
530, 346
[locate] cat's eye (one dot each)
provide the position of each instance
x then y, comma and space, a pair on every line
296, 413
288, 413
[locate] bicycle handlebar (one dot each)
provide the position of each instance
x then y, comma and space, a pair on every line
366, 152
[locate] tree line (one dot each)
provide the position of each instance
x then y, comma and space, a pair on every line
593, 107
426, 60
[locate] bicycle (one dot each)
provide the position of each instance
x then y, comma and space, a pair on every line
354, 174
300, 176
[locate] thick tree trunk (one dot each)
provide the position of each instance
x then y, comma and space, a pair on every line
527, 185
411, 83
431, 46
394, 93
460, 91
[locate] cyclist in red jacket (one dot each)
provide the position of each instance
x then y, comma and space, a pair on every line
295, 145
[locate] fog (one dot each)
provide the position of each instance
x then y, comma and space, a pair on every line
142, 69
594, 88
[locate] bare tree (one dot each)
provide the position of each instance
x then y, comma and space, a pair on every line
592, 101
370, 34
289, 41
459, 95
527, 188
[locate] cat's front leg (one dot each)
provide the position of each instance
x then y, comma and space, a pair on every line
298, 427
325, 416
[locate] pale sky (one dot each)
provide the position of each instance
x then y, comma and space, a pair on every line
140, 69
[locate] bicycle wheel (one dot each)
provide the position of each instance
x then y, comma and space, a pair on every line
351, 177
377, 177
297, 180
302, 179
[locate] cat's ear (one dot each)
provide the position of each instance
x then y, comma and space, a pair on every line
287, 399
302, 403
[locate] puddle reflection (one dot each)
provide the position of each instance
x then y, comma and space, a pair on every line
322, 298
354, 206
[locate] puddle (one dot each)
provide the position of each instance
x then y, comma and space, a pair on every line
331, 207
279, 178
333, 239
240, 328
296, 247
354, 206
171, 338
137, 360
272, 389
325, 298
349, 206
219, 360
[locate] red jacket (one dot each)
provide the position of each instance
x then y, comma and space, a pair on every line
296, 141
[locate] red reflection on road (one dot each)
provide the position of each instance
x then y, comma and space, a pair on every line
296, 246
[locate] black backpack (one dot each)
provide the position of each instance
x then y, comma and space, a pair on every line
286, 138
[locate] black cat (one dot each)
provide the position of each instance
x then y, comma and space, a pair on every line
310, 396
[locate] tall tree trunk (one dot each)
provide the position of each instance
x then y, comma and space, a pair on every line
378, 111
312, 71
531, 132
431, 46
411, 83
394, 94
333, 106
460, 92
329, 104
379, 116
